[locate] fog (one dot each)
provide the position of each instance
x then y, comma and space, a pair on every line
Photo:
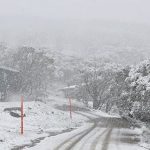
120, 10
76, 26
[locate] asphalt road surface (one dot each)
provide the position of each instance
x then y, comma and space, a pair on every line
104, 133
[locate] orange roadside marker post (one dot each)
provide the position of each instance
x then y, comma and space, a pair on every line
22, 115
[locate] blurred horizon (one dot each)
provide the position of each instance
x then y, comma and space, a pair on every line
82, 28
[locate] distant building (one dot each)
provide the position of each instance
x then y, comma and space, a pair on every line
9, 81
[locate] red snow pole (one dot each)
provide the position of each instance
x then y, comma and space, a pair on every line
70, 108
22, 115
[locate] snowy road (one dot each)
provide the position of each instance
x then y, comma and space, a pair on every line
100, 133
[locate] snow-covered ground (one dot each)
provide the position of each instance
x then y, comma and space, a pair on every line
45, 119
145, 137
94, 137
41, 120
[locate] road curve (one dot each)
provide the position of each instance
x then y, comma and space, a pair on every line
105, 133
77, 137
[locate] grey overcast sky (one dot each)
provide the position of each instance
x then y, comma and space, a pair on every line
74, 24
120, 10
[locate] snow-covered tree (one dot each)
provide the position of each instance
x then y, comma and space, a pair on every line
96, 81
139, 82
35, 69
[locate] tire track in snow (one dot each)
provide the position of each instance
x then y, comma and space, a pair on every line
67, 140
97, 139
81, 137
118, 140
83, 134
88, 138
106, 140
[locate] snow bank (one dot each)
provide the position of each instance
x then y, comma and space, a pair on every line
41, 119
145, 137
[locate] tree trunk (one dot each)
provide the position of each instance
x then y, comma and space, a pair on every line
95, 104
108, 108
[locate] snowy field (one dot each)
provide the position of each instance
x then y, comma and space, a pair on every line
44, 123
94, 136
42, 120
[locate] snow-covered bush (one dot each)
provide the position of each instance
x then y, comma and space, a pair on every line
139, 83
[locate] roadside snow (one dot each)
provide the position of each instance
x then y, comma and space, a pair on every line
51, 142
41, 119
145, 137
